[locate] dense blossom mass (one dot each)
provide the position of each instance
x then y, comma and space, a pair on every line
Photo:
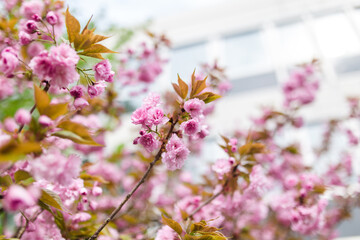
80, 160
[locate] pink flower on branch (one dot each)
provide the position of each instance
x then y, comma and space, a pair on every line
176, 153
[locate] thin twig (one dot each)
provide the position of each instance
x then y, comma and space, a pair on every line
21, 233
142, 180
233, 173
53, 33
23, 229
206, 203
46, 88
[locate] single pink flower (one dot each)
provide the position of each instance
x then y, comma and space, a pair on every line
18, 198
176, 153
51, 18
194, 107
103, 71
149, 142
22, 116
8, 61
190, 127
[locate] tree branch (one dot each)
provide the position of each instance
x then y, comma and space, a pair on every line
20, 232
233, 173
206, 202
142, 180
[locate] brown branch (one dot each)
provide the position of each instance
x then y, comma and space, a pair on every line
46, 88
20, 232
206, 203
233, 173
142, 180
23, 229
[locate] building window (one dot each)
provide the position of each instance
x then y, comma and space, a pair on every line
186, 58
253, 82
245, 54
293, 43
335, 35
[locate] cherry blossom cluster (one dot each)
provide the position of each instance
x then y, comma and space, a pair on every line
103, 75
301, 87
58, 181
142, 65
274, 191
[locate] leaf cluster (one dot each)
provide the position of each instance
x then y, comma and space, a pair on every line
85, 42
76, 132
195, 231
196, 91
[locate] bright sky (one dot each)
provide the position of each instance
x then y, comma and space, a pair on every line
133, 12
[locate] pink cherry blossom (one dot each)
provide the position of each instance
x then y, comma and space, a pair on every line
166, 233
80, 217
139, 116
190, 127
156, 117
56, 66
45, 121
152, 100
25, 38
18, 198
7, 87
55, 167
222, 166
194, 107
34, 49
80, 103
77, 91
103, 71
10, 125
30, 27
176, 153
8, 61
9, 4
51, 18
149, 142
30, 8
22, 116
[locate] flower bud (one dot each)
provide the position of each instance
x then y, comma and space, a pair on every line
80, 103
45, 121
24, 38
30, 26
51, 18
36, 18
22, 116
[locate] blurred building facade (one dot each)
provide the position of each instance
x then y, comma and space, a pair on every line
259, 42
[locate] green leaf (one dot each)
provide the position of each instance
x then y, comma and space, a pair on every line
5, 181
76, 132
51, 199
2, 237
88, 177
59, 221
211, 97
173, 224
21, 175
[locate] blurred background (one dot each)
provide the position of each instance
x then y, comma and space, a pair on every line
259, 42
